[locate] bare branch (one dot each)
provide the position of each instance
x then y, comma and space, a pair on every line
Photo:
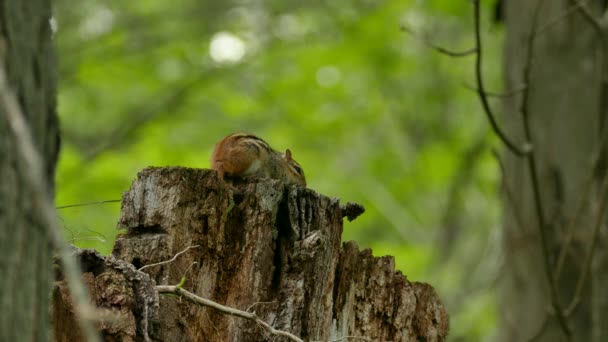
438, 48
520, 151
593, 21
451, 221
533, 170
556, 19
85, 204
353, 338
171, 260
598, 153
540, 330
259, 303
33, 174
569, 229
594, 241
508, 191
225, 309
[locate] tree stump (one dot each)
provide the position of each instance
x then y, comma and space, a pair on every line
267, 248
127, 299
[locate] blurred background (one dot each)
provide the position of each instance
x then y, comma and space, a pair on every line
371, 112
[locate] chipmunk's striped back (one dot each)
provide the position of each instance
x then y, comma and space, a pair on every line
243, 155
248, 138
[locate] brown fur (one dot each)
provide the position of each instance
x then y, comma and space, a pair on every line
234, 156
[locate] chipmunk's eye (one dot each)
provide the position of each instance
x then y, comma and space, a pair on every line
298, 169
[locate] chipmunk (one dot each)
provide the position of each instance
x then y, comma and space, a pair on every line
243, 155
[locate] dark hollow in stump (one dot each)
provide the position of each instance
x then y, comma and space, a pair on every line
267, 248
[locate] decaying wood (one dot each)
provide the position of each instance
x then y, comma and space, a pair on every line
267, 248
127, 299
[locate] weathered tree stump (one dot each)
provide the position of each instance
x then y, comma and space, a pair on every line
267, 248
127, 299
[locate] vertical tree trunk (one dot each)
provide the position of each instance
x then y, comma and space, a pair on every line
566, 114
25, 252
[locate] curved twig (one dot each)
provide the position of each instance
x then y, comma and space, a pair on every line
520, 151
168, 261
85, 204
533, 170
589, 258
225, 309
438, 48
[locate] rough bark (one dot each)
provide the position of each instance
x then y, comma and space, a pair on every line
268, 248
566, 114
25, 252
128, 299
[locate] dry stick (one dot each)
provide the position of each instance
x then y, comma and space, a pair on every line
520, 151
533, 169
587, 263
171, 260
259, 303
224, 309
352, 337
438, 48
85, 204
35, 179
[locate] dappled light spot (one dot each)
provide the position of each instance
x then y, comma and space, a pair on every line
288, 27
53, 24
170, 69
97, 23
328, 76
225, 47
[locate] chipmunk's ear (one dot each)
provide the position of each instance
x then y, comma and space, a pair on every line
288, 154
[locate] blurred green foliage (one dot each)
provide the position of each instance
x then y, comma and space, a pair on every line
373, 114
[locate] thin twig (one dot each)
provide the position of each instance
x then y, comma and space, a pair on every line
569, 229
438, 48
600, 29
352, 337
85, 204
508, 191
533, 170
594, 241
540, 330
171, 260
520, 151
597, 155
451, 217
596, 158
556, 19
259, 303
33, 174
593, 21
225, 309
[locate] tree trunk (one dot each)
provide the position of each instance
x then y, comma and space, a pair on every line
266, 248
25, 251
566, 109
